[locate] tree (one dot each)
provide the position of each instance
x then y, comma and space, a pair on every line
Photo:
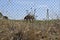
1, 15
5, 17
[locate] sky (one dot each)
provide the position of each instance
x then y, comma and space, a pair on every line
16, 9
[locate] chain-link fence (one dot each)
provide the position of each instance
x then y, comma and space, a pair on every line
17, 9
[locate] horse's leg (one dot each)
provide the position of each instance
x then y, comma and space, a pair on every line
29, 20
26, 20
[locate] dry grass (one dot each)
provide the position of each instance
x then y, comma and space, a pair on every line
38, 30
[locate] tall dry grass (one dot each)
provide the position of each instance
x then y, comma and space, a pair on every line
38, 30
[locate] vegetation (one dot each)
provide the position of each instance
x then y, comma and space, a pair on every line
37, 30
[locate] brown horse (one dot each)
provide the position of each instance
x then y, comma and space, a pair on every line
29, 18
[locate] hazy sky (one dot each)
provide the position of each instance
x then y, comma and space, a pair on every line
16, 9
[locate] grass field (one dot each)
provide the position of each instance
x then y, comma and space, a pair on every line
37, 30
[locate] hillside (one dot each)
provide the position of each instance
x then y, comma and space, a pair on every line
37, 30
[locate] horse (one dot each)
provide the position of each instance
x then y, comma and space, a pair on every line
29, 18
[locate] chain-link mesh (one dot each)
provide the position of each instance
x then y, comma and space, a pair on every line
16, 9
